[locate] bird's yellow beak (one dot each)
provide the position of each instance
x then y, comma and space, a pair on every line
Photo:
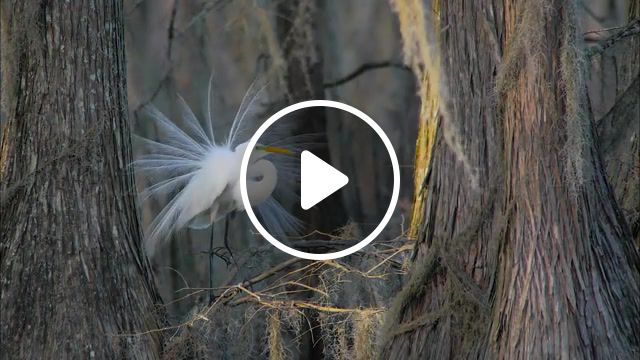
276, 150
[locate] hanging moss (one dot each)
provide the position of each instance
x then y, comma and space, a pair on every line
276, 344
365, 325
425, 64
572, 71
414, 287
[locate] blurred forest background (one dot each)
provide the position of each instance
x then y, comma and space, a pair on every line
174, 47
363, 53
310, 49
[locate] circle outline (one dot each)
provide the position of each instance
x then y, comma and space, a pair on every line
303, 105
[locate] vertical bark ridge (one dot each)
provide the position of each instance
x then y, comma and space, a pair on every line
569, 277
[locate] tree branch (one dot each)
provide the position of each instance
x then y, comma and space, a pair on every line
364, 68
633, 28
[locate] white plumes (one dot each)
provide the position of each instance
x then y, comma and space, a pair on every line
248, 109
200, 178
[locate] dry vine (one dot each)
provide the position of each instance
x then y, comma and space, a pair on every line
281, 301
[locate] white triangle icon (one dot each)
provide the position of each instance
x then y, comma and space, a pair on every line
318, 180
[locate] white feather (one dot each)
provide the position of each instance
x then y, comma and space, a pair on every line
200, 179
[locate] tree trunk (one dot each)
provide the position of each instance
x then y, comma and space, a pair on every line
614, 90
299, 38
522, 251
74, 277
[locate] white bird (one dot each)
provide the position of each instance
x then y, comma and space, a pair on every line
201, 177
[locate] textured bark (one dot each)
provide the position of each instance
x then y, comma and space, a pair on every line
619, 145
568, 282
74, 278
614, 90
523, 252
443, 310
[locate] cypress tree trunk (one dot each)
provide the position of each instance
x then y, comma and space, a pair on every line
522, 251
568, 282
73, 275
614, 90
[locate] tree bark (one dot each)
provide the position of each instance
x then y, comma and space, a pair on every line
299, 40
523, 251
614, 90
74, 277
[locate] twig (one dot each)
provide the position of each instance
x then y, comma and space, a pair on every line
274, 270
319, 243
211, 6
301, 305
295, 283
189, 323
347, 269
364, 68
631, 29
171, 29
401, 249
604, 30
186, 284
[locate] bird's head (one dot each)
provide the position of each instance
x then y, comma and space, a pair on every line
262, 175
261, 151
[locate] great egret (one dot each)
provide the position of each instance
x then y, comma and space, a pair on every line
200, 177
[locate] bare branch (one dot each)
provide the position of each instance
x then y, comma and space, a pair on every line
364, 68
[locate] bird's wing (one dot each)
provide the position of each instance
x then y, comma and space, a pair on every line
221, 206
196, 198
178, 168
203, 191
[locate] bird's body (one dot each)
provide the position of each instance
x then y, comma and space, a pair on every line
201, 178
209, 194
214, 191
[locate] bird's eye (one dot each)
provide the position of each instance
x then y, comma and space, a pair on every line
257, 178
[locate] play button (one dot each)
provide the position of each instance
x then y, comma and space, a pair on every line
318, 180
350, 197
